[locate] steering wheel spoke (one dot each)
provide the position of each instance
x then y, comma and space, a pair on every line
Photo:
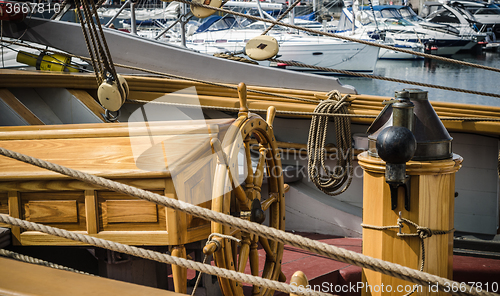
246, 200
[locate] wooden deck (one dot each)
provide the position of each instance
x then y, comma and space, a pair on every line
325, 271
19, 279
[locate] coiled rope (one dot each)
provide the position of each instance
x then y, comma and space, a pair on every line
320, 248
330, 181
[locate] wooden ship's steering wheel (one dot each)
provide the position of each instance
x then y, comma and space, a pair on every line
247, 201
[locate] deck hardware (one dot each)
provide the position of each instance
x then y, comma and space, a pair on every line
257, 215
396, 145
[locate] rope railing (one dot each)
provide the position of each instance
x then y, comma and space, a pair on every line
154, 255
350, 257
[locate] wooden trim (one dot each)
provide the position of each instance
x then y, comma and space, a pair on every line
51, 211
447, 166
131, 211
15, 212
100, 130
176, 221
134, 238
91, 212
19, 107
72, 185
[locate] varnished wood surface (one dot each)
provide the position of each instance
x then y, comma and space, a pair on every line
98, 130
143, 88
431, 205
24, 279
375, 164
106, 150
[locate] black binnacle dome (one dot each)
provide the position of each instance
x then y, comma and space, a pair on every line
396, 144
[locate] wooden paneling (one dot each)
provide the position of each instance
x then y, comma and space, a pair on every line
119, 212
62, 209
51, 211
130, 211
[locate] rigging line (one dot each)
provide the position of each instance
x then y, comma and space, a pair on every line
63, 5
425, 55
292, 63
274, 94
109, 58
95, 39
93, 59
281, 16
176, 76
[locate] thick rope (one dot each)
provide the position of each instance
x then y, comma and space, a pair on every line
28, 259
320, 248
97, 46
341, 175
281, 16
425, 55
153, 255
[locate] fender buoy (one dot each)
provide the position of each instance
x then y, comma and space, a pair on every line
262, 47
46, 62
201, 12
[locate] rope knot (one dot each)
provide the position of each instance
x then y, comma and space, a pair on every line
424, 232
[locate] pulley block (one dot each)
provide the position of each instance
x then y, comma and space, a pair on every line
109, 94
